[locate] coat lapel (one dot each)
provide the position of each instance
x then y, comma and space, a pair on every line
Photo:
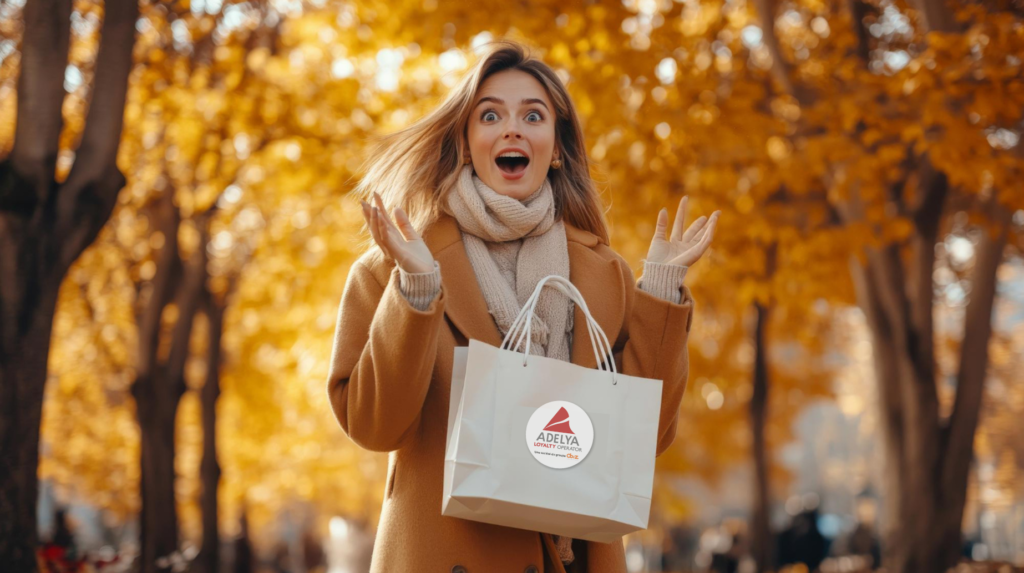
598, 280
465, 306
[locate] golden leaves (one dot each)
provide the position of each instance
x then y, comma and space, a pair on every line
778, 148
278, 133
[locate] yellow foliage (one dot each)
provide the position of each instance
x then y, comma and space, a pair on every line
274, 134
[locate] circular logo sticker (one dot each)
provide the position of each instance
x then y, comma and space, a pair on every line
559, 434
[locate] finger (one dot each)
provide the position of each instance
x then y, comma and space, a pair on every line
700, 234
366, 212
368, 216
373, 229
697, 251
662, 226
405, 225
393, 240
716, 215
677, 226
695, 228
378, 236
378, 203
371, 226
382, 228
705, 241
384, 212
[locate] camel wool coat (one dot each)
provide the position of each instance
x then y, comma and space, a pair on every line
389, 386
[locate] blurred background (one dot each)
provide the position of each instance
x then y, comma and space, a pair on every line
176, 230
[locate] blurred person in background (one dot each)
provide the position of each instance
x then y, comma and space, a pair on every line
60, 553
863, 540
802, 541
243, 562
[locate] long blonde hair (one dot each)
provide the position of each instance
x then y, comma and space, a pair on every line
416, 167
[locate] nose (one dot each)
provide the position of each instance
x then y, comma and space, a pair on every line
512, 131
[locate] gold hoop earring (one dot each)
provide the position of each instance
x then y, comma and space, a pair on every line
556, 164
467, 160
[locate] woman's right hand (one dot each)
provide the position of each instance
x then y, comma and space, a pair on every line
401, 243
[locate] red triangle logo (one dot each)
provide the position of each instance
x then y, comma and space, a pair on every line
560, 423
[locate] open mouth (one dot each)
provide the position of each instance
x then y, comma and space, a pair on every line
512, 165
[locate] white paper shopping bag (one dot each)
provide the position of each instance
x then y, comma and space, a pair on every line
541, 444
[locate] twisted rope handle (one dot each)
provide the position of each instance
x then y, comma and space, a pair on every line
522, 325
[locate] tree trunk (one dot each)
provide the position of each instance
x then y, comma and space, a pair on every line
761, 534
927, 457
161, 382
44, 227
21, 407
209, 554
157, 402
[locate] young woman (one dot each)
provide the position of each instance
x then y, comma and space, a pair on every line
498, 182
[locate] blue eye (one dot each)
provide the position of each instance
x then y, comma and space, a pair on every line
491, 111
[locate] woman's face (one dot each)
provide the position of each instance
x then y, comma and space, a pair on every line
512, 113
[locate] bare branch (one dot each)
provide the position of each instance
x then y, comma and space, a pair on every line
90, 191
858, 11
44, 57
189, 302
781, 70
884, 355
933, 188
959, 432
167, 264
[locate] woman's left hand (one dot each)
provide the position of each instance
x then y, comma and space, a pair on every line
681, 248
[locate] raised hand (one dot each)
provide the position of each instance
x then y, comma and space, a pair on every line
400, 242
681, 248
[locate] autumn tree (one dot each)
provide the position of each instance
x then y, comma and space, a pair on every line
885, 123
675, 98
215, 131
185, 88
928, 454
53, 202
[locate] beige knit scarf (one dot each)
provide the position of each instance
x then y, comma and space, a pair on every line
488, 219
489, 222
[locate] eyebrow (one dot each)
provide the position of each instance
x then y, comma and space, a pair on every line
525, 101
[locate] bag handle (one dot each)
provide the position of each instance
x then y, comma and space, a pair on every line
522, 325
529, 308
598, 340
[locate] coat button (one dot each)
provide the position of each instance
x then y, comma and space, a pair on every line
531, 569
458, 569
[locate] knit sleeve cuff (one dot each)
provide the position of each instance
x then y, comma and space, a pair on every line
420, 288
663, 280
